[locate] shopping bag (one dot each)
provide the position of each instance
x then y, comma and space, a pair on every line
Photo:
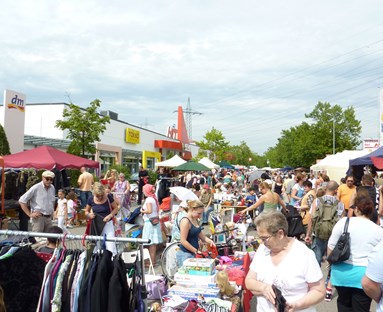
294, 220
157, 289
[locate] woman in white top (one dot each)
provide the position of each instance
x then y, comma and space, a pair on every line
150, 209
364, 236
287, 264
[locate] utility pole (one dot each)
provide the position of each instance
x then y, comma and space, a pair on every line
189, 114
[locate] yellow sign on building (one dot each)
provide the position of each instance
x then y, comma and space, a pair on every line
132, 136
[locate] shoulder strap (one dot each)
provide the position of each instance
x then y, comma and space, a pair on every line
178, 223
346, 225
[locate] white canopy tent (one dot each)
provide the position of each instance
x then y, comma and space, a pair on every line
336, 166
172, 162
208, 163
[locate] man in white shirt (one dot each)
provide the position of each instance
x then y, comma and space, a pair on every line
41, 199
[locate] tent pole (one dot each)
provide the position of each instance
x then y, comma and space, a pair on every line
2, 185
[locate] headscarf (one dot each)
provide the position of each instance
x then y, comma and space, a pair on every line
148, 192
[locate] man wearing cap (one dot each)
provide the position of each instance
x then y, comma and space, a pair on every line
41, 199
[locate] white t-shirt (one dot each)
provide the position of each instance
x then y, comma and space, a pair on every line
364, 236
70, 205
154, 213
374, 270
291, 276
61, 204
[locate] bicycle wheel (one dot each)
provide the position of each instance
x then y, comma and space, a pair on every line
169, 262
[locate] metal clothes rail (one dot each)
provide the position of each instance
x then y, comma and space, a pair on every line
76, 237
139, 241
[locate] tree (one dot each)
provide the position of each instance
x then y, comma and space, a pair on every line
84, 127
303, 144
4, 145
242, 154
215, 143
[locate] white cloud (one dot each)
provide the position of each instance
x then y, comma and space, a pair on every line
251, 68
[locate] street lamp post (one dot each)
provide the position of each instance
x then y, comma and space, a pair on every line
333, 135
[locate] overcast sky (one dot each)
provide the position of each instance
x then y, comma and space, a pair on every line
251, 68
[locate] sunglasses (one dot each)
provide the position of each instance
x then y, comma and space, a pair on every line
48, 179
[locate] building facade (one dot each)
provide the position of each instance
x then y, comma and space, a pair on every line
121, 143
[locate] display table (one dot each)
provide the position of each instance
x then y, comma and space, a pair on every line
236, 208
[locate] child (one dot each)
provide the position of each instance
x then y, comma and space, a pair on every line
62, 210
51, 242
71, 203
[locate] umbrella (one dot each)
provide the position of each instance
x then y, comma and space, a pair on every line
183, 193
256, 174
191, 166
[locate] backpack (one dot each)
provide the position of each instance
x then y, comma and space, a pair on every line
324, 219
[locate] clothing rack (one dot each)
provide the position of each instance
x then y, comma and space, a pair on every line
63, 237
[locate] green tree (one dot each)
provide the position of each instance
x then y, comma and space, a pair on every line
243, 154
215, 142
303, 144
84, 127
4, 145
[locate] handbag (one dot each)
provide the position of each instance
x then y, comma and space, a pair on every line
154, 220
342, 248
157, 289
280, 301
295, 223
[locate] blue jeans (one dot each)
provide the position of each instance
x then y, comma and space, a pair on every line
181, 256
319, 247
205, 217
84, 195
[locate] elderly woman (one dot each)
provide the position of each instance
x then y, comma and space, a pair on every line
269, 199
101, 208
364, 236
191, 232
150, 211
122, 188
285, 263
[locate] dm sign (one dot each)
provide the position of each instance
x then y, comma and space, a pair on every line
14, 119
132, 136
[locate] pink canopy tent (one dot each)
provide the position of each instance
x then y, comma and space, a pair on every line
43, 157
46, 157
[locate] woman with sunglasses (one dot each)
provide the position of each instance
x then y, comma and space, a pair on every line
285, 263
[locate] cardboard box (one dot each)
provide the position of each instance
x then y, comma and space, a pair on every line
195, 280
190, 293
199, 266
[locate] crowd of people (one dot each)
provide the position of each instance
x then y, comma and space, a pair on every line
292, 265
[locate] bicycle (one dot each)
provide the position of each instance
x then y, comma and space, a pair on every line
169, 264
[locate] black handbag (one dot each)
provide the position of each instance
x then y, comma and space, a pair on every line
294, 221
342, 249
280, 301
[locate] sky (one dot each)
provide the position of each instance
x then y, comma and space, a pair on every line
250, 68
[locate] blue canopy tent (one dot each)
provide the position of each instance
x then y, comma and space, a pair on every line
367, 160
356, 165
